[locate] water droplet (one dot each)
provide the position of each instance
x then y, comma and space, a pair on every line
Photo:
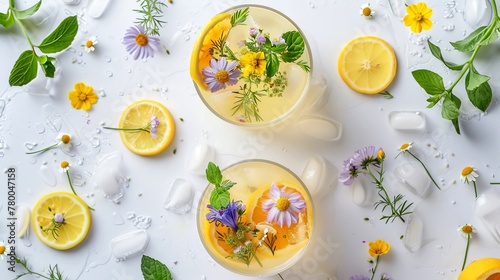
180, 197
101, 92
3, 145
108, 58
78, 180
2, 153
96, 8
48, 176
200, 156
311, 5
120, 93
414, 233
40, 128
407, 120
130, 215
71, 50
117, 219
109, 73
80, 161
129, 244
30, 145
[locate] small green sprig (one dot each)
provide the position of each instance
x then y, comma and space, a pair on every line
220, 194
151, 11
476, 85
53, 272
26, 67
56, 224
154, 270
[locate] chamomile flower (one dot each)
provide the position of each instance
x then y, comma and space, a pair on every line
90, 44
65, 166
466, 230
405, 149
4, 250
62, 139
468, 175
366, 11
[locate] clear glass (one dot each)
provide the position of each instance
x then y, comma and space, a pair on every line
252, 177
271, 109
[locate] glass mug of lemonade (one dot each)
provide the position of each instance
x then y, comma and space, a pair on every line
251, 66
255, 218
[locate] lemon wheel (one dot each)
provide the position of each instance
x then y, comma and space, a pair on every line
367, 64
76, 224
482, 269
139, 114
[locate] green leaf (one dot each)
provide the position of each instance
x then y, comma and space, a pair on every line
433, 100
302, 64
490, 39
469, 43
451, 106
7, 19
436, 52
279, 48
456, 125
272, 64
154, 270
227, 184
213, 174
61, 37
24, 70
474, 79
239, 17
480, 96
47, 66
295, 46
431, 82
219, 198
24, 14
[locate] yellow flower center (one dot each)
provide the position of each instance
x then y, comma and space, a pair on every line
82, 97
64, 164
222, 76
282, 203
2, 249
367, 12
404, 146
66, 138
467, 171
467, 229
418, 17
89, 43
141, 39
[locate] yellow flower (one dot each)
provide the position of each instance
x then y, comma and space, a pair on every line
378, 248
468, 174
221, 29
381, 154
253, 63
405, 147
82, 97
418, 17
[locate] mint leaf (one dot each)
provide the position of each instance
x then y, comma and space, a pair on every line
451, 106
47, 66
214, 176
469, 43
431, 82
272, 64
227, 184
154, 270
295, 46
480, 96
490, 39
239, 17
474, 79
6, 19
24, 70
219, 198
436, 52
433, 100
456, 125
278, 48
24, 14
61, 37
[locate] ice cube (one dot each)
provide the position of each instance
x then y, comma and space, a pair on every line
109, 176
413, 177
96, 8
180, 197
129, 244
200, 156
318, 175
477, 13
487, 209
320, 127
407, 120
414, 233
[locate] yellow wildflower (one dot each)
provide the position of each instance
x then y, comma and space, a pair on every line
253, 63
220, 30
418, 17
82, 97
378, 247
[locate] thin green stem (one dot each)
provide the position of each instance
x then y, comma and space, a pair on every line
378, 183
475, 188
426, 170
375, 268
256, 258
44, 149
495, 11
466, 251
12, 4
29, 271
73, 189
281, 276
25, 32
495, 183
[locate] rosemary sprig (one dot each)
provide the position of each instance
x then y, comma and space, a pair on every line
151, 11
52, 274
248, 100
55, 225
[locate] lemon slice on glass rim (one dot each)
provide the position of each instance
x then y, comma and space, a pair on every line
481, 269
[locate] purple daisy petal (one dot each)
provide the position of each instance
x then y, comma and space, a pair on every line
229, 74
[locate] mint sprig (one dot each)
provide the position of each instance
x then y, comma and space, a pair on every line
25, 68
219, 197
154, 270
476, 85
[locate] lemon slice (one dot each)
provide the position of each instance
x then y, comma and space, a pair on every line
200, 57
481, 269
76, 224
137, 115
367, 64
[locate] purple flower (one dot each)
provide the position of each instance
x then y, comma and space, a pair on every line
260, 39
228, 216
365, 156
283, 206
358, 162
253, 31
359, 277
221, 73
153, 126
279, 41
139, 43
59, 218
385, 276
349, 172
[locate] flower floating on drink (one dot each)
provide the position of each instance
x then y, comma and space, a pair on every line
261, 228
248, 65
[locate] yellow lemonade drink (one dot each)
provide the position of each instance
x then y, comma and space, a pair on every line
251, 66
274, 224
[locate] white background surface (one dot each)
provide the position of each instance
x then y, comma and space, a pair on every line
340, 246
